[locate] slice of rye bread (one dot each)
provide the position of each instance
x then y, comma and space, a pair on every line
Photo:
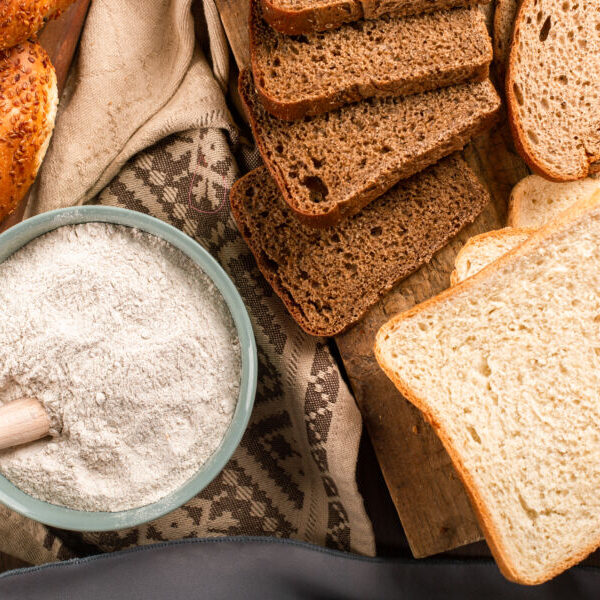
330, 166
505, 368
552, 87
294, 17
316, 73
328, 278
483, 249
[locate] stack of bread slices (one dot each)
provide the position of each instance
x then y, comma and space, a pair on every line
358, 110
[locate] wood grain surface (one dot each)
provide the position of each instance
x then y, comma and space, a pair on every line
59, 38
430, 499
234, 16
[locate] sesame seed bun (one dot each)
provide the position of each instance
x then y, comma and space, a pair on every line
22, 19
28, 103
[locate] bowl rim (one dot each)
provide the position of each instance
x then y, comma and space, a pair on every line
66, 518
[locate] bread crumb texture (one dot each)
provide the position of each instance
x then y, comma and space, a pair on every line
314, 73
504, 20
507, 367
329, 277
535, 201
331, 165
553, 88
482, 250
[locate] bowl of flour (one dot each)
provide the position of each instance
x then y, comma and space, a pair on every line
140, 349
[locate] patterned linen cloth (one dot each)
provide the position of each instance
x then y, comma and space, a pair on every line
175, 155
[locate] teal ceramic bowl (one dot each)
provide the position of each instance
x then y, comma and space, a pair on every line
65, 518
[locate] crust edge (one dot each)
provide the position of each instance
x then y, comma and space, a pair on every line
311, 20
359, 200
494, 233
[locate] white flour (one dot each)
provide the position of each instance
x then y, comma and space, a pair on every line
133, 352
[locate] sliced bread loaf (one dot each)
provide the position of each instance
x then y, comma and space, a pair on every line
534, 201
552, 87
505, 367
331, 165
315, 73
294, 17
483, 249
328, 278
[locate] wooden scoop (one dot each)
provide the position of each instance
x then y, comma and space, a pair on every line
21, 422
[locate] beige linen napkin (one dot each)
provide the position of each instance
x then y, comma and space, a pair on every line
136, 80
144, 124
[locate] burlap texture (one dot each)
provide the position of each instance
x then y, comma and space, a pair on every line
144, 124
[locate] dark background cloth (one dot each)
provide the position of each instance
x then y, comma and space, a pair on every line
264, 568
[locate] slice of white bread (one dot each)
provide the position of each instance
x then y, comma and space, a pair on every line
534, 200
505, 366
552, 87
483, 249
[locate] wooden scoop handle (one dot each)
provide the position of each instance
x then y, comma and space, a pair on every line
21, 422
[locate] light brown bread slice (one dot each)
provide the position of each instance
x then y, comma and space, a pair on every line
534, 201
505, 367
330, 166
483, 249
504, 22
294, 17
328, 278
315, 73
552, 87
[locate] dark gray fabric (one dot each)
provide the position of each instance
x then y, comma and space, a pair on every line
263, 568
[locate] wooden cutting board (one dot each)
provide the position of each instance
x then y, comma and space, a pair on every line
430, 500
59, 38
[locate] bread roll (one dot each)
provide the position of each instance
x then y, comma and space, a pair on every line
28, 102
22, 19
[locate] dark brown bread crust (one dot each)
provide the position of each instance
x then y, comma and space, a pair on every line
456, 48
329, 278
359, 152
338, 12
